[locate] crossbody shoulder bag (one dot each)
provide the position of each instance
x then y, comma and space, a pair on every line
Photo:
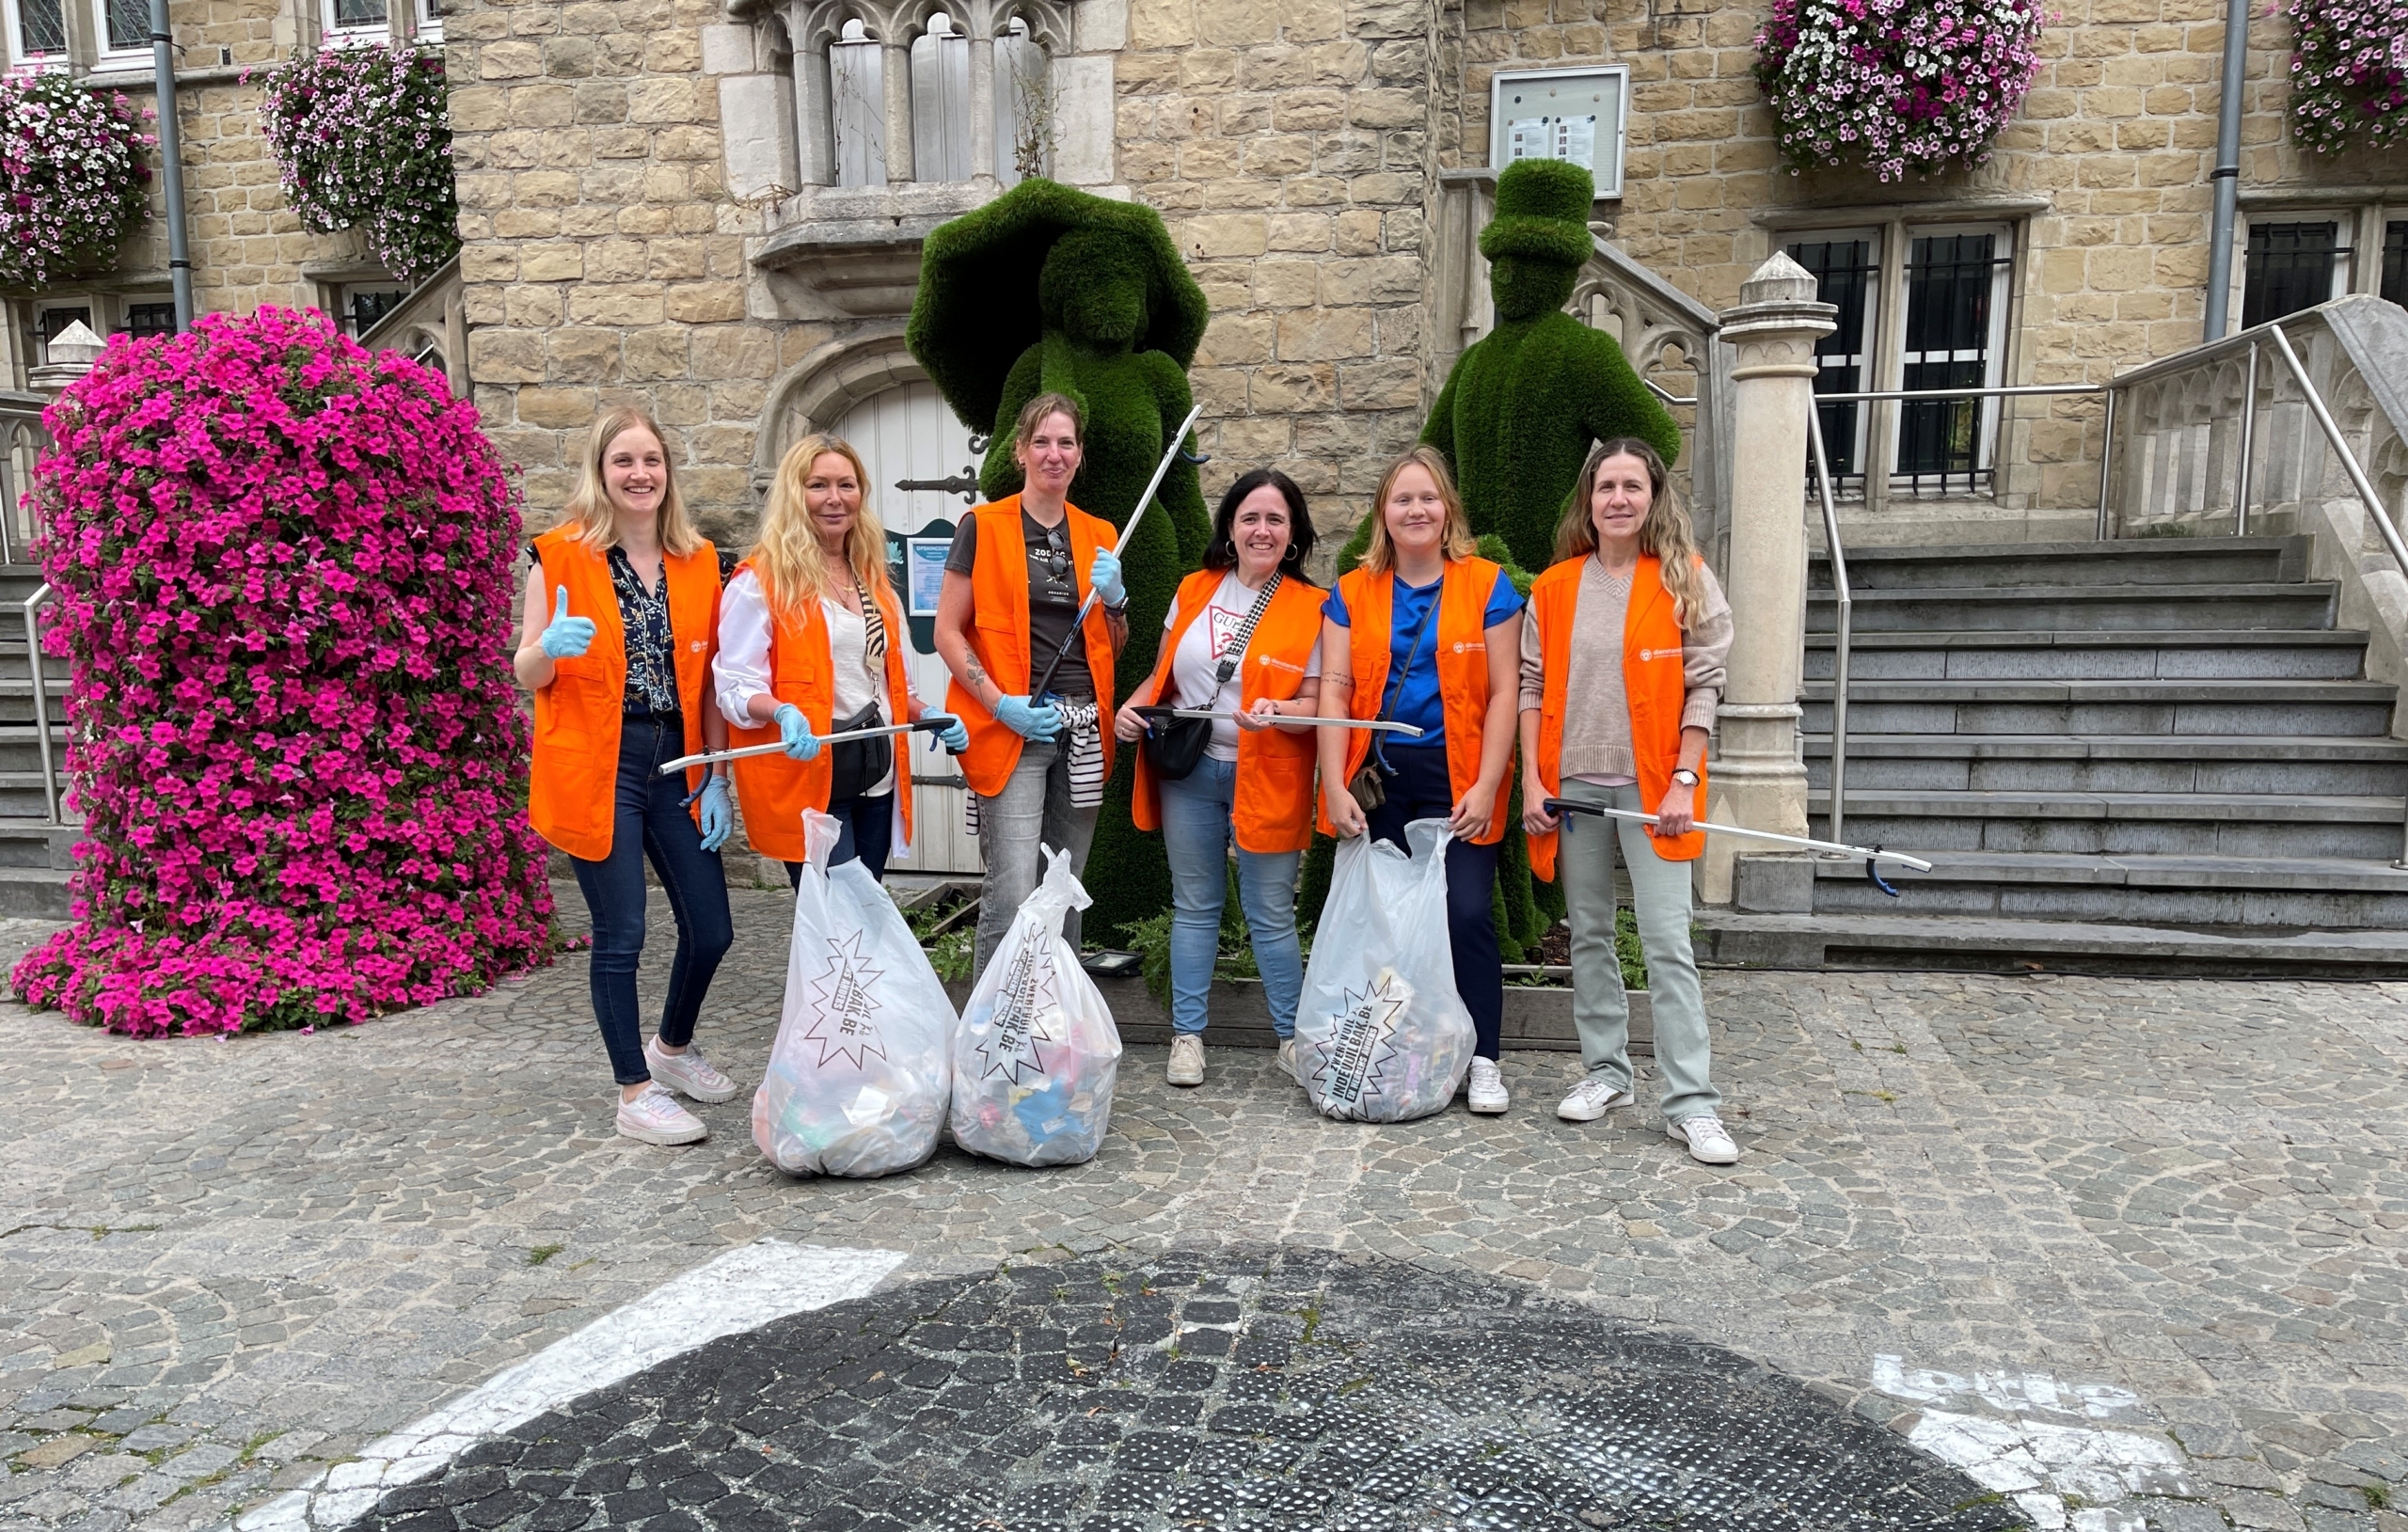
1369, 786
1173, 745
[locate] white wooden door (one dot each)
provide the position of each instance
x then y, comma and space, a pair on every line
908, 433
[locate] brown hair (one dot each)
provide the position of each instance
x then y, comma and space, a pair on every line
589, 507
1037, 411
1665, 534
787, 559
1379, 555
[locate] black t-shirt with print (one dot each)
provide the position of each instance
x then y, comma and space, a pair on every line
1052, 598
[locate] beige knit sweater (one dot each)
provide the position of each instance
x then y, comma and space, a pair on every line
1596, 715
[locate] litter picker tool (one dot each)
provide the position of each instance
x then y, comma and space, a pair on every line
1872, 856
851, 737
1377, 726
1178, 438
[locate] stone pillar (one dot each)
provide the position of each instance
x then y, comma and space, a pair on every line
898, 112
70, 355
984, 157
1759, 778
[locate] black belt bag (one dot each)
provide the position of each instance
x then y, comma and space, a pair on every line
860, 768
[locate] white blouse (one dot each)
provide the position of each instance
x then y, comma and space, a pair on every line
740, 671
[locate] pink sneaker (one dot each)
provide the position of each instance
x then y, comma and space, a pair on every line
688, 1074
654, 1117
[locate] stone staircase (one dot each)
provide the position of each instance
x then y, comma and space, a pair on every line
36, 855
2152, 756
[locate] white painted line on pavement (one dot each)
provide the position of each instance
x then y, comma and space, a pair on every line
742, 1290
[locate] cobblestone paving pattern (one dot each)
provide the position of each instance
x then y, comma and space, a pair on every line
228, 1264
1245, 1386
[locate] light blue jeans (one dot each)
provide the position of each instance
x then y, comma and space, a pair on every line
1196, 835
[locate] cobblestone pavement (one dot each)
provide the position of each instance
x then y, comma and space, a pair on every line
2131, 1252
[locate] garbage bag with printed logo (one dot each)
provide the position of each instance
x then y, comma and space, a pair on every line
1035, 1060
862, 1065
1380, 1035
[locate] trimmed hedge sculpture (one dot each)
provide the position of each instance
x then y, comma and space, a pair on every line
1049, 288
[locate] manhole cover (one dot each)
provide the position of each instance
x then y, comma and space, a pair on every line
1230, 1388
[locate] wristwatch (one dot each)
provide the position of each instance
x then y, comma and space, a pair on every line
1685, 777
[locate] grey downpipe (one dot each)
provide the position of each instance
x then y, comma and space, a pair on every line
1843, 623
2227, 170
171, 157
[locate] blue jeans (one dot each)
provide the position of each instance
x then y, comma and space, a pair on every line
867, 835
1420, 789
648, 821
1196, 836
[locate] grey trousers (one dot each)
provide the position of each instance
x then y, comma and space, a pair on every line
1033, 810
1660, 890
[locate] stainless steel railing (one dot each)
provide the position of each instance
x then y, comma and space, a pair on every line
33, 606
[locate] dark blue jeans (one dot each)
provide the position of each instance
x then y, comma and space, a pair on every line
867, 836
648, 821
1420, 790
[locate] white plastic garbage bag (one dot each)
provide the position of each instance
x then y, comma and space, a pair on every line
862, 1065
1035, 1057
1380, 1035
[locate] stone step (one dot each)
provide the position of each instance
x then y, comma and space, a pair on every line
34, 894
2353, 708
2121, 824
2288, 894
2152, 561
2187, 608
1994, 945
2237, 655
29, 841
2275, 764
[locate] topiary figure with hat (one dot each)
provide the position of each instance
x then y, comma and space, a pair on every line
1050, 288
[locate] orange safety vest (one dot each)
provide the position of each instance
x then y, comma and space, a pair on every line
999, 636
1272, 809
775, 790
1462, 651
571, 791
1653, 678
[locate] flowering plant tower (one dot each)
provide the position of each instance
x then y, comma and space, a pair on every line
1897, 85
2349, 71
284, 575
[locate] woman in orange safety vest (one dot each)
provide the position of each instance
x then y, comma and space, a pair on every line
1622, 669
615, 644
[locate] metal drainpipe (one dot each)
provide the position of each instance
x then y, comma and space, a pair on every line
2227, 171
171, 156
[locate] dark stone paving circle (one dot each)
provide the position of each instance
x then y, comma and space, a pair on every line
1248, 1387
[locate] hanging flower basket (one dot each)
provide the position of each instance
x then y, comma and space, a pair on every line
75, 178
286, 586
1897, 85
2349, 71
362, 138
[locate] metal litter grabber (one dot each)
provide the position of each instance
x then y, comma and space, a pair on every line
1373, 725
1872, 856
851, 737
1038, 692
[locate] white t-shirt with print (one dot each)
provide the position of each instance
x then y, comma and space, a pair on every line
1194, 669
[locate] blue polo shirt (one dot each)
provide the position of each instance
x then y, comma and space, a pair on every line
1414, 687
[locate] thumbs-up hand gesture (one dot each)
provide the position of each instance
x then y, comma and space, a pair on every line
566, 637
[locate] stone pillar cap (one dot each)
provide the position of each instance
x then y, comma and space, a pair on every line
1779, 280
1779, 298
75, 345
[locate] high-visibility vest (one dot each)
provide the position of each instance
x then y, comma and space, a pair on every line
572, 790
775, 790
999, 636
1273, 808
1461, 644
1653, 678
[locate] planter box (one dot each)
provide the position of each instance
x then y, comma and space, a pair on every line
1534, 1018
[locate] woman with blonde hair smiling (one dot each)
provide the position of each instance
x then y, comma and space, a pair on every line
811, 646
615, 643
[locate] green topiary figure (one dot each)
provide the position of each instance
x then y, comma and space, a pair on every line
1049, 288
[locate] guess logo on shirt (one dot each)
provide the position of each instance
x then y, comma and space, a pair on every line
1224, 625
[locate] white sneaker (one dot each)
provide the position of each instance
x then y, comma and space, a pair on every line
1187, 1060
654, 1117
1591, 1099
1288, 1060
1487, 1093
688, 1074
1709, 1142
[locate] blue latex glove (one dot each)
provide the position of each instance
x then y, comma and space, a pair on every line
566, 637
1038, 723
954, 737
1104, 577
793, 732
719, 812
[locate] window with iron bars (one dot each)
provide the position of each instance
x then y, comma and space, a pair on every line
2394, 263
2293, 266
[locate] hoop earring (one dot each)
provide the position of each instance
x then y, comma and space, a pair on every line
1230, 549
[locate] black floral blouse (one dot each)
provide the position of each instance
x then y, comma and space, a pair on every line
651, 649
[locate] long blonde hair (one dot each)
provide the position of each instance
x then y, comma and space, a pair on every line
787, 558
1665, 534
1458, 543
588, 509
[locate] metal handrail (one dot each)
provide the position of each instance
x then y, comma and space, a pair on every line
2015, 390
1666, 395
1847, 607
2367, 494
41, 702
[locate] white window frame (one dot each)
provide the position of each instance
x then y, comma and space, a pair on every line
19, 57
429, 13
1612, 133
334, 34
1994, 343
1868, 345
117, 58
